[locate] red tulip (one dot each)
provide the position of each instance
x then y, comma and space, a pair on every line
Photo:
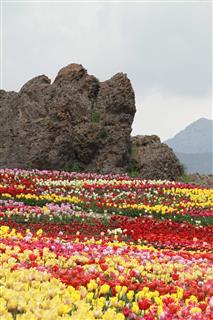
144, 304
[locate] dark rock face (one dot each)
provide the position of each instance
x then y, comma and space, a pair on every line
79, 122
153, 159
74, 120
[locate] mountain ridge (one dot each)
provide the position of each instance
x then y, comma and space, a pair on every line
194, 138
194, 146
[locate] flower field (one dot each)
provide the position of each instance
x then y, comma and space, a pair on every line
86, 246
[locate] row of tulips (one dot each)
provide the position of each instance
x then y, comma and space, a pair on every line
162, 234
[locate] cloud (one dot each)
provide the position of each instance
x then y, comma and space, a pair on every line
163, 47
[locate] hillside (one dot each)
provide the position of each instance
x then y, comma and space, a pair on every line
196, 162
193, 146
195, 138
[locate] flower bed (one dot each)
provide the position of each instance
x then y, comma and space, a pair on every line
86, 246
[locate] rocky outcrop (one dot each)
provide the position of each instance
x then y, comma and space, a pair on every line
153, 159
74, 122
77, 122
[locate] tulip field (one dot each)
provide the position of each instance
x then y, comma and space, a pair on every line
85, 246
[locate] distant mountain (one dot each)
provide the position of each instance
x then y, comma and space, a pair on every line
194, 146
196, 162
195, 138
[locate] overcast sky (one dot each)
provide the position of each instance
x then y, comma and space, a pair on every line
165, 49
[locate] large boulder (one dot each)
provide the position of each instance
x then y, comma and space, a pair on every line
74, 122
152, 159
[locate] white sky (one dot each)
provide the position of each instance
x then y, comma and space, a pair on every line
165, 49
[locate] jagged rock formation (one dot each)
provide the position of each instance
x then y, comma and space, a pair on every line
153, 159
75, 121
78, 122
